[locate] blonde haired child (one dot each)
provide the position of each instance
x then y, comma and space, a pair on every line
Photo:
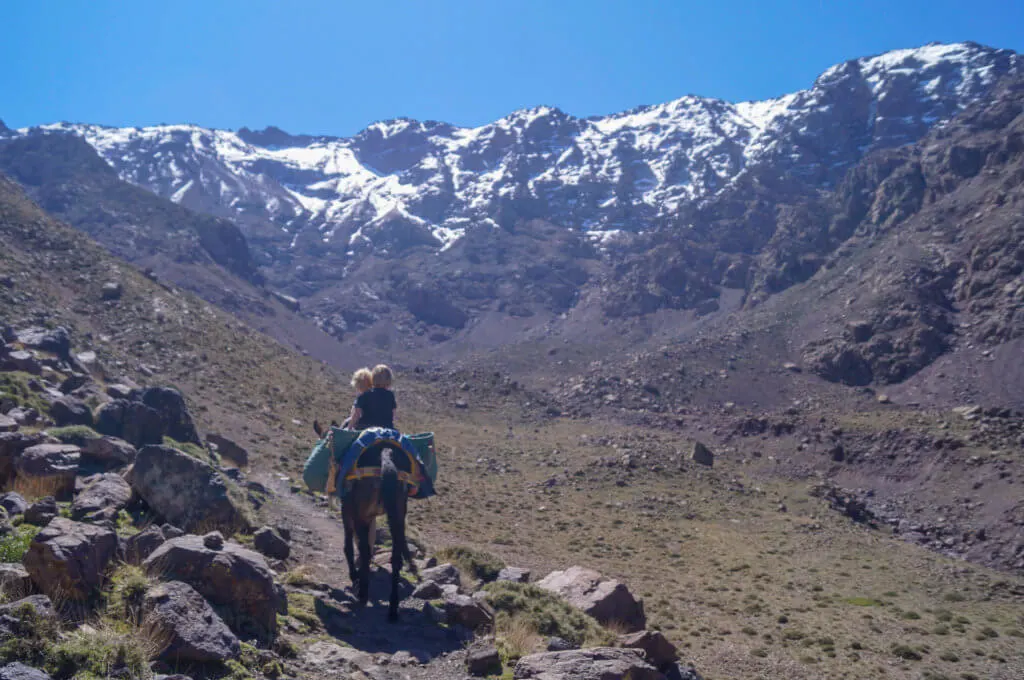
376, 407
362, 381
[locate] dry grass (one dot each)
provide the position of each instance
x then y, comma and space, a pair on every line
516, 638
35, 487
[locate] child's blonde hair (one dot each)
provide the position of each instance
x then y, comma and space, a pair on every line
362, 379
382, 376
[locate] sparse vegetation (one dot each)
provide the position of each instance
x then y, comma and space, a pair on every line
15, 386
73, 434
522, 606
101, 652
14, 545
477, 564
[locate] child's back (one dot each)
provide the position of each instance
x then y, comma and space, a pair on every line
377, 406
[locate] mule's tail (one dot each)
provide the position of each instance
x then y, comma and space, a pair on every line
392, 496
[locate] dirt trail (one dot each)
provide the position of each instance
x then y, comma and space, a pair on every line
415, 648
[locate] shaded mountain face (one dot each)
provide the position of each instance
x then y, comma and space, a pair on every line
422, 232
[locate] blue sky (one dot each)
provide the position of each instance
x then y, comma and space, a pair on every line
333, 67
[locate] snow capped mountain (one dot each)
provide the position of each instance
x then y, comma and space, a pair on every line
404, 183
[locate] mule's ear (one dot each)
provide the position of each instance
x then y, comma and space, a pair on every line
316, 428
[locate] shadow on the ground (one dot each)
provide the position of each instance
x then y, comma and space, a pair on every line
368, 630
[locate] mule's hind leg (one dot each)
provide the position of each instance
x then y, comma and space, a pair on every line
398, 552
365, 552
350, 557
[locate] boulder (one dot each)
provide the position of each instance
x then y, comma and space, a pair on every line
69, 559
73, 382
465, 611
14, 503
597, 663
102, 498
8, 424
170, 531
19, 671
235, 580
108, 451
607, 600
483, 661
70, 410
184, 490
55, 462
15, 582
229, 449
326, 654
514, 574
179, 616
42, 511
138, 547
702, 455
111, 290
11, 446
57, 340
119, 391
174, 415
271, 544
428, 590
132, 421
559, 644
443, 575
656, 648
25, 361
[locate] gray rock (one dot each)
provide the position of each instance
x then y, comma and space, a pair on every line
70, 410
702, 455
57, 462
483, 661
23, 360
192, 630
558, 644
15, 582
73, 382
656, 648
237, 581
42, 511
514, 574
597, 663
108, 451
269, 542
19, 671
8, 424
606, 600
442, 574
69, 559
229, 449
132, 421
428, 590
184, 490
174, 414
213, 540
325, 654
14, 503
11, 446
119, 391
465, 611
57, 340
104, 495
170, 531
138, 547
111, 290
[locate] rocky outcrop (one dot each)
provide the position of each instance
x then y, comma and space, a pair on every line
101, 499
179, 617
132, 421
68, 560
607, 600
69, 410
55, 462
184, 490
598, 663
235, 580
108, 452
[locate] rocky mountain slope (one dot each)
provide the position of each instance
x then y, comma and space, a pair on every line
439, 229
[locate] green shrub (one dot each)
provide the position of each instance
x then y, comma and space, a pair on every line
476, 563
73, 434
103, 653
14, 545
128, 586
14, 385
190, 449
522, 603
35, 635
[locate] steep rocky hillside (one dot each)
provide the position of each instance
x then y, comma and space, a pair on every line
447, 232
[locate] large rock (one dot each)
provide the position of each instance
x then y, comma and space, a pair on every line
271, 544
607, 600
465, 611
597, 663
57, 463
236, 580
192, 631
173, 412
14, 580
11, 446
702, 455
132, 421
70, 410
101, 499
483, 661
514, 574
42, 511
22, 360
185, 491
443, 575
656, 648
108, 452
19, 671
14, 503
8, 424
229, 449
138, 547
69, 559
56, 340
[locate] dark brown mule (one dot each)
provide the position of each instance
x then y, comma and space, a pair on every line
362, 503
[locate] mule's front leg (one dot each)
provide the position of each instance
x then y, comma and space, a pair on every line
350, 557
396, 576
365, 552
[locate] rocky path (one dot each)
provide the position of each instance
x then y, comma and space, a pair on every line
359, 641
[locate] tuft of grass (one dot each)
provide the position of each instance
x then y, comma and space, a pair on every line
862, 602
190, 449
128, 586
299, 577
101, 652
302, 607
524, 604
14, 385
481, 565
73, 434
34, 487
35, 635
14, 545
906, 652
516, 638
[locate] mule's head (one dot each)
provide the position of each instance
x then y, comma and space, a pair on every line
319, 430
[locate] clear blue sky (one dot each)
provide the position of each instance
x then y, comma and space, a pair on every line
332, 67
